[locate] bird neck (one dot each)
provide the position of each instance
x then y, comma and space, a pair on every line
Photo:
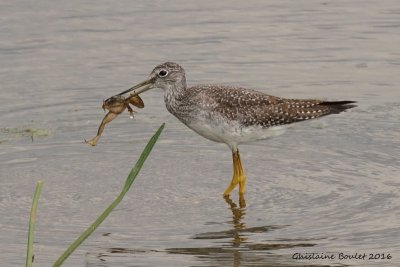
175, 91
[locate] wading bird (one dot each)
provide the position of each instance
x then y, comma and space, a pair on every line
231, 115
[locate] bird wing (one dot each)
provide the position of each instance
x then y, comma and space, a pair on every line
253, 108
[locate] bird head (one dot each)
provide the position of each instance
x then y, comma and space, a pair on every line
165, 76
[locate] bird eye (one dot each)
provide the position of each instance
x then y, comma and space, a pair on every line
163, 73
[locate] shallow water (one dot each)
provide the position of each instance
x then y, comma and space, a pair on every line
329, 186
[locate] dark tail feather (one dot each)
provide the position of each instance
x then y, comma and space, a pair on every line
338, 106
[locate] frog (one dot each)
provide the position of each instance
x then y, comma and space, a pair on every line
116, 105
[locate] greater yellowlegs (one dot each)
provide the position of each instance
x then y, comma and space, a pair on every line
231, 115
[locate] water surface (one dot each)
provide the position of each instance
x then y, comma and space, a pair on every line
328, 186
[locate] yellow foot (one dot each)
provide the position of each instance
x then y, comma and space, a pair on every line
229, 189
242, 184
236, 180
239, 178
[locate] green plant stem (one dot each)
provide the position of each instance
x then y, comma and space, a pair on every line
32, 220
131, 177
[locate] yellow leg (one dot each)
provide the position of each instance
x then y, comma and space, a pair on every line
238, 175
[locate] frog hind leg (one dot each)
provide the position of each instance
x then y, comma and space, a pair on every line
136, 101
108, 118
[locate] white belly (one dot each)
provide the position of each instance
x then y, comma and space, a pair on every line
232, 133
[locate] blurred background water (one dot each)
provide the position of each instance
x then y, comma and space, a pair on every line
327, 186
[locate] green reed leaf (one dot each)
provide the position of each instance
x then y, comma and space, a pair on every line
32, 221
131, 177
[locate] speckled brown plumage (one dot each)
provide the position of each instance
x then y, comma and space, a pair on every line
250, 108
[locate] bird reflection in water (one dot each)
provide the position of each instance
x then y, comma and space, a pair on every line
230, 247
237, 217
238, 226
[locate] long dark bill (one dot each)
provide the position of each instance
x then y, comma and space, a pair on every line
140, 87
